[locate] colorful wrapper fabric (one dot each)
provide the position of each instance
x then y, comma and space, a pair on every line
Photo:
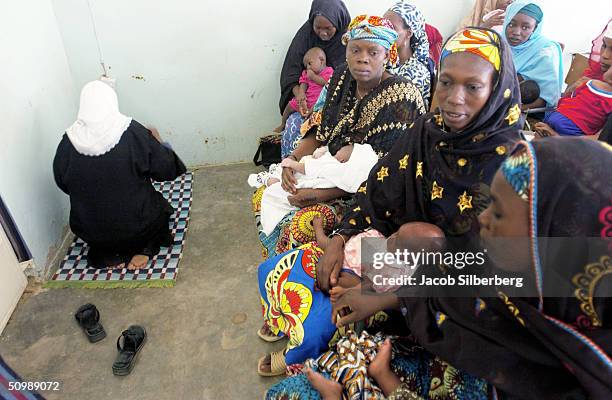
481, 42
374, 29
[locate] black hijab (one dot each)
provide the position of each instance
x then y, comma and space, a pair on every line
429, 160
559, 348
305, 38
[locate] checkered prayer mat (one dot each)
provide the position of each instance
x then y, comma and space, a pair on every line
161, 270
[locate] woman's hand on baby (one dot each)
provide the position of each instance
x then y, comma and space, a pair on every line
355, 306
288, 181
303, 108
303, 198
330, 264
288, 163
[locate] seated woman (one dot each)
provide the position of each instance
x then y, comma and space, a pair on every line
412, 46
327, 22
536, 57
546, 344
438, 171
366, 104
413, 51
105, 162
487, 14
600, 59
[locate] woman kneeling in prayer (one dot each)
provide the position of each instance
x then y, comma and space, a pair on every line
105, 162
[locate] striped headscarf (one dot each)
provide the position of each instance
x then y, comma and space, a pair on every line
374, 29
483, 43
517, 171
413, 18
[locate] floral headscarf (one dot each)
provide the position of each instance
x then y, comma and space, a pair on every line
413, 18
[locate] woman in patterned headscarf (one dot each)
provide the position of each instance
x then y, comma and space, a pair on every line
365, 104
552, 341
440, 170
354, 111
412, 45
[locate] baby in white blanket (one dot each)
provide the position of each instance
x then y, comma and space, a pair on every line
346, 170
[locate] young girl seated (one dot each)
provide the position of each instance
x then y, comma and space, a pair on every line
314, 77
584, 113
346, 170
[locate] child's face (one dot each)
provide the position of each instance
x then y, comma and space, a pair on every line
606, 54
506, 217
607, 77
315, 61
520, 28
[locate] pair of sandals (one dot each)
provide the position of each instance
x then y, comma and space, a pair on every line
278, 366
129, 343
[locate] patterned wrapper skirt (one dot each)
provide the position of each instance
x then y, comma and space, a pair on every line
423, 375
292, 305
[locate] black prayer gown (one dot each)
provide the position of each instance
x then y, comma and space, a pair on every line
113, 205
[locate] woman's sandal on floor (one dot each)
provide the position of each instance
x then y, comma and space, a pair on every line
277, 364
134, 338
88, 318
268, 337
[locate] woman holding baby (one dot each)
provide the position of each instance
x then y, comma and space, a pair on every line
438, 172
365, 105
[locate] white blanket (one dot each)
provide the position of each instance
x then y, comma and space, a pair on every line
320, 173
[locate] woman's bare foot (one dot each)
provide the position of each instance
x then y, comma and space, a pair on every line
139, 261
328, 389
279, 128
380, 369
266, 334
320, 236
382, 361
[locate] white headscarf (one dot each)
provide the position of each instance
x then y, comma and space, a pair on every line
100, 124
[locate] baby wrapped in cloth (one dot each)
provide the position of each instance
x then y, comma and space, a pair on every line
321, 171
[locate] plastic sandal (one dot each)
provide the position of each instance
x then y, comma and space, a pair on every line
277, 364
267, 337
88, 317
134, 338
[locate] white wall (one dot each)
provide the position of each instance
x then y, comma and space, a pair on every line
37, 101
210, 69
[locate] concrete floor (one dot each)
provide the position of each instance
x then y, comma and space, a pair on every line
201, 343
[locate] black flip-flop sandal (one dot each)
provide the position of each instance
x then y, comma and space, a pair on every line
134, 338
88, 318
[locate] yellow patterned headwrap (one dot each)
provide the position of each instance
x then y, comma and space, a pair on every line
481, 42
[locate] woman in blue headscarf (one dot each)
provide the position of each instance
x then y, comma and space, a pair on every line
536, 57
